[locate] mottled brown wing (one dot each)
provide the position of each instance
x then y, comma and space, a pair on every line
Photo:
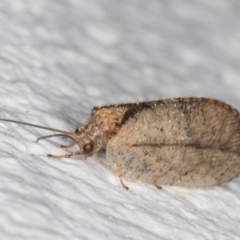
190, 143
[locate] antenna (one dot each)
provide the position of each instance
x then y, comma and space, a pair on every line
36, 126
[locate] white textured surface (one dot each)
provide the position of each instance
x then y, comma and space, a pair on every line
60, 58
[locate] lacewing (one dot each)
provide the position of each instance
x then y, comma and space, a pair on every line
186, 142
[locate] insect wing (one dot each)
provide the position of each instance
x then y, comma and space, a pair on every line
190, 143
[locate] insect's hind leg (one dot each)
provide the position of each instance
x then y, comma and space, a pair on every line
157, 186
122, 183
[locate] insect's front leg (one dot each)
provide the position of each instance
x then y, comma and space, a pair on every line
68, 146
72, 155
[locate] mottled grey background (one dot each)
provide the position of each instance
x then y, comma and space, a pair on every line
58, 59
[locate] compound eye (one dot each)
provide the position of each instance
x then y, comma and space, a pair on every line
77, 130
87, 148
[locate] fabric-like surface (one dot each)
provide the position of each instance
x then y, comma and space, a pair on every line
58, 59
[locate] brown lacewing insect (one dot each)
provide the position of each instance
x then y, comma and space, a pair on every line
187, 142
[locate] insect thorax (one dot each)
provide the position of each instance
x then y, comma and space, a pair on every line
108, 121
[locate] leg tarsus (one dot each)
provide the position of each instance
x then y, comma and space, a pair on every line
122, 183
157, 186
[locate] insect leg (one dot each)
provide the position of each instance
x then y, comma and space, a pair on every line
122, 183
72, 155
67, 146
157, 186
